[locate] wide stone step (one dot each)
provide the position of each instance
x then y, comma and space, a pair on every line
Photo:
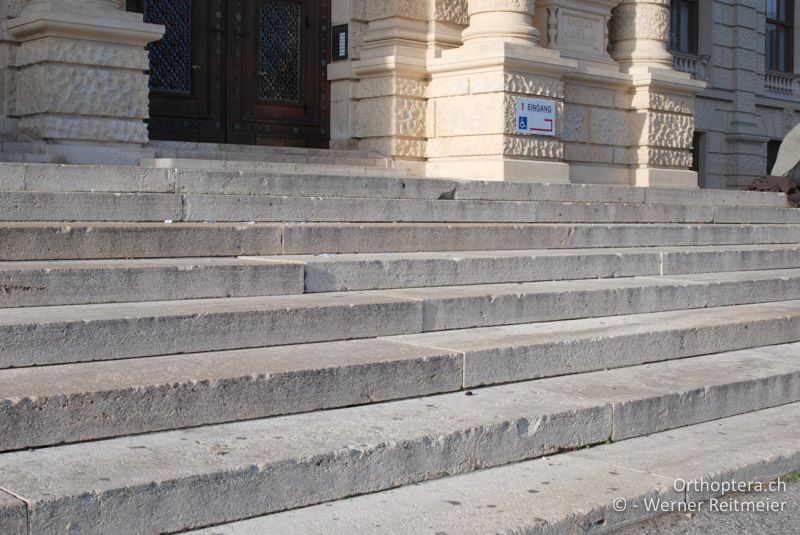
234, 208
244, 183
597, 490
30, 157
79, 206
170, 149
334, 273
223, 155
72, 282
99, 240
70, 403
216, 474
78, 333
353, 167
108, 178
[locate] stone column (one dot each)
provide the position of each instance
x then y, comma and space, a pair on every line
78, 77
662, 99
508, 21
472, 128
640, 33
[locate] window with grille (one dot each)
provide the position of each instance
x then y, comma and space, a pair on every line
780, 35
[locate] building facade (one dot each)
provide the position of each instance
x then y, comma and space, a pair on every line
644, 92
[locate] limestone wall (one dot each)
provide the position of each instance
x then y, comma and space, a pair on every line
738, 113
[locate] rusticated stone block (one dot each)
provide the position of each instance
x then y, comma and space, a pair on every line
71, 89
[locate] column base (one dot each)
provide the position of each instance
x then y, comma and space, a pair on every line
665, 178
493, 168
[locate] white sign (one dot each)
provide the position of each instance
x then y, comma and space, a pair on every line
536, 117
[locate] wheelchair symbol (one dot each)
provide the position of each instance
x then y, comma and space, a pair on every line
523, 123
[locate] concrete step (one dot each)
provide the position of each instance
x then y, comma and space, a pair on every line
596, 490
79, 333
41, 283
103, 240
73, 282
148, 207
70, 403
336, 273
340, 167
287, 462
108, 178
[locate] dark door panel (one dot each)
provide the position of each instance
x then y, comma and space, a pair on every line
239, 71
284, 98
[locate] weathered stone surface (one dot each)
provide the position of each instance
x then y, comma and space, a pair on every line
274, 167
99, 332
26, 206
408, 270
750, 448
256, 208
56, 335
327, 273
729, 258
113, 281
560, 494
290, 461
13, 515
716, 197
310, 458
54, 404
65, 178
367, 238
712, 387
568, 493
12, 177
468, 306
520, 352
47, 241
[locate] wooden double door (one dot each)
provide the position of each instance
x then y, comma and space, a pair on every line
239, 71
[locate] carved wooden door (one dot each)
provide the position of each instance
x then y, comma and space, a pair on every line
282, 66
239, 71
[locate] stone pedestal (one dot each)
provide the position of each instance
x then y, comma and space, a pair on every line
472, 127
662, 100
388, 103
78, 75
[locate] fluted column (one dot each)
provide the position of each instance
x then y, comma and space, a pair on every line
508, 21
640, 33
79, 76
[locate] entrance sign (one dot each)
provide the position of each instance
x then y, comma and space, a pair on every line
536, 116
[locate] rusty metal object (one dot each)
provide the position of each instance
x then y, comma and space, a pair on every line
778, 184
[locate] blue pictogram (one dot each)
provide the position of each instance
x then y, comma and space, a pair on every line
523, 123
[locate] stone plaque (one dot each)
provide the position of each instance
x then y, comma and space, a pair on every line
581, 33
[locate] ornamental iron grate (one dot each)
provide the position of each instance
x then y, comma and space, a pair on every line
171, 57
281, 32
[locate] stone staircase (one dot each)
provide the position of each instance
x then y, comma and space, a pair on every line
254, 352
27, 152
224, 157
